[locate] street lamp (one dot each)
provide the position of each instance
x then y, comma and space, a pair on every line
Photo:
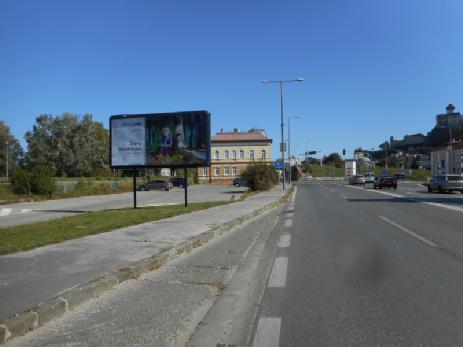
289, 144
282, 146
7, 143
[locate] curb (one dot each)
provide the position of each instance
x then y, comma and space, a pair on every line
49, 309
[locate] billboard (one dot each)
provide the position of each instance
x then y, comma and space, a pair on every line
179, 139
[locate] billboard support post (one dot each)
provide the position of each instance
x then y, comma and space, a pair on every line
134, 173
185, 185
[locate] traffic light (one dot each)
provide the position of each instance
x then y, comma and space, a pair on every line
343, 151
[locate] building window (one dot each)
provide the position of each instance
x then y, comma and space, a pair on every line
233, 154
234, 170
241, 154
225, 155
226, 171
216, 171
251, 154
216, 155
205, 173
262, 154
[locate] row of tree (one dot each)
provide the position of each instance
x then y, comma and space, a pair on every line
72, 145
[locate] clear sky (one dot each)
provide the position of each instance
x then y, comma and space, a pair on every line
372, 68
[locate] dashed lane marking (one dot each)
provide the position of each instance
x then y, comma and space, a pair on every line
409, 232
285, 241
5, 212
267, 332
288, 223
278, 274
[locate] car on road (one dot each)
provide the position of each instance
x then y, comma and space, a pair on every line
401, 175
385, 182
446, 183
178, 181
239, 181
156, 184
357, 179
369, 177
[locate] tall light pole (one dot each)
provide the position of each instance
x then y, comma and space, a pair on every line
282, 144
451, 150
7, 148
289, 144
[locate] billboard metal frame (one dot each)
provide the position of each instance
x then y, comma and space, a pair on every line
149, 166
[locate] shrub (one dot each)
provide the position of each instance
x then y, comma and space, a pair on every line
42, 180
21, 181
260, 176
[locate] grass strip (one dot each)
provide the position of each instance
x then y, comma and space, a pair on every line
24, 237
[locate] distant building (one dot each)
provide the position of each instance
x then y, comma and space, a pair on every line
450, 118
232, 152
441, 163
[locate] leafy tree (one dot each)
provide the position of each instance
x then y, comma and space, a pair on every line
334, 159
15, 151
73, 145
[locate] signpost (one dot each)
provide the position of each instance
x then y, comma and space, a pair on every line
160, 140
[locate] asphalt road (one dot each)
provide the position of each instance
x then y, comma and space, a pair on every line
364, 267
30, 212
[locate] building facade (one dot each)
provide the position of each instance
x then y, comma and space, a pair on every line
232, 152
447, 162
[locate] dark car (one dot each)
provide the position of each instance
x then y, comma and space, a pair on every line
178, 181
401, 176
385, 181
156, 184
238, 182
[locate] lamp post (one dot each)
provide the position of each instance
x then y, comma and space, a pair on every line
282, 146
7, 148
289, 145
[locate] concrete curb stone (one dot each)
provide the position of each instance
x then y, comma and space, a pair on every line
67, 300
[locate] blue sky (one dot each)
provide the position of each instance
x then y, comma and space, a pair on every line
372, 68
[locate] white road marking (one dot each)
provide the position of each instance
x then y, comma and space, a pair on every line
288, 223
449, 207
278, 275
5, 212
411, 193
268, 332
289, 215
25, 210
285, 241
409, 232
343, 196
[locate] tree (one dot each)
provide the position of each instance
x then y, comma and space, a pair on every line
334, 159
73, 145
15, 152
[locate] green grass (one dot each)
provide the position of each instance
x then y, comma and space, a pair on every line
29, 236
326, 171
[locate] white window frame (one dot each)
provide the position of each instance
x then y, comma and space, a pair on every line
251, 154
226, 154
217, 171
205, 173
263, 154
216, 155
241, 154
226, 171
234, 155
234, 171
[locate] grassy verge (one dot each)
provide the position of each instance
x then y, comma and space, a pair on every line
29, 236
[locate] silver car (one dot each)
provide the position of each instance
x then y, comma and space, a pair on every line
357, 179
446, 183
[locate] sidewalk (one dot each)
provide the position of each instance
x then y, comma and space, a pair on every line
28, 278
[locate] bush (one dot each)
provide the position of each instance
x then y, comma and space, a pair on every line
21, 181
260, 176
42, 181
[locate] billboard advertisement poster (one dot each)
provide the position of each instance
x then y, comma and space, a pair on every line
163, 140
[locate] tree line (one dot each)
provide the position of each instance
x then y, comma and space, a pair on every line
69, 145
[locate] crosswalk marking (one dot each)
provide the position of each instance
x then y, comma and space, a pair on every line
5, 212
268, 332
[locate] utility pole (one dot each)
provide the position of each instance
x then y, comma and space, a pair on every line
7, 149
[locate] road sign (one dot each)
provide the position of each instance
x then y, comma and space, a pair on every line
278, 165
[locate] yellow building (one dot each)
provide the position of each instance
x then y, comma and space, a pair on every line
232, 152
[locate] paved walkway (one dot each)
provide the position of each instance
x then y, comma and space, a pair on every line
27, 278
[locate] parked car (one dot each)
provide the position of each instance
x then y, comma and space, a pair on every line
178, 181
238, 182
446, 183
357, 179
385, 182
369, 177
157, 184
